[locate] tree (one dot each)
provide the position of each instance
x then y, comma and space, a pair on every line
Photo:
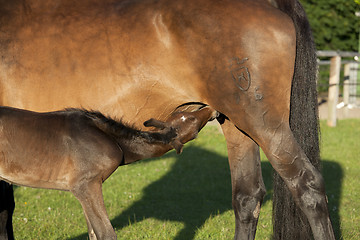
334, 23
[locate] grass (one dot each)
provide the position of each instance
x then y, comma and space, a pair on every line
188, 196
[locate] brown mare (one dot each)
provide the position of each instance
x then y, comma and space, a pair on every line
251, 60
77, 150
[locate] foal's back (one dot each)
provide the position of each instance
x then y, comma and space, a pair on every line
51, 150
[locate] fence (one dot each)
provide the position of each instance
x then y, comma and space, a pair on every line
337, 58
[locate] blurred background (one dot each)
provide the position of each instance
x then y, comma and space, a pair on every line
335, 25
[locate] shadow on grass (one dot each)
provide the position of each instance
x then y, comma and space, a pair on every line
333, 176
198, 187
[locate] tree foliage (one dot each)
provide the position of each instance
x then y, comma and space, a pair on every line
334, 23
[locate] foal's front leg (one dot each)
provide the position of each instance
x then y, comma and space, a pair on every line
90, 196
248, 188
7, 206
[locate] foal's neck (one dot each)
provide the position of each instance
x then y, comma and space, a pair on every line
135, 144
140, 147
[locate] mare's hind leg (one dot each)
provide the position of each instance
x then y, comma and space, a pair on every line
90, 196
304, 181
91, 231
248, 188
301, 177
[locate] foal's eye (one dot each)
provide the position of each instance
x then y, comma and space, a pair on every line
191, 118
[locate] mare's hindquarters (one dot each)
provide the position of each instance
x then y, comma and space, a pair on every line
256, 94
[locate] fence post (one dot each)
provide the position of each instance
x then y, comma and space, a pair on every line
353, 71
350, 79
335, 64
346, 84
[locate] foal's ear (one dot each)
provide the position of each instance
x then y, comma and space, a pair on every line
155, 123
177, 145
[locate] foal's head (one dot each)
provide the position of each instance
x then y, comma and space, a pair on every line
186, 124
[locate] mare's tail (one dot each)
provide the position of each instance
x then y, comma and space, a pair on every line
288, 220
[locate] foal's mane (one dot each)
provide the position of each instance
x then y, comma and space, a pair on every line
120, 130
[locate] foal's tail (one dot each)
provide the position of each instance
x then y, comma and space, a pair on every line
289, 221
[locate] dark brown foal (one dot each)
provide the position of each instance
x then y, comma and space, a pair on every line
77, 150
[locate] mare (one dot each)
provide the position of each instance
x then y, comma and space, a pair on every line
77, 150
253, 61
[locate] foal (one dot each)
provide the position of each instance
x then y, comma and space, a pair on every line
77, 150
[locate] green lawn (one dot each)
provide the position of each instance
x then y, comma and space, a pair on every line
188, 196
